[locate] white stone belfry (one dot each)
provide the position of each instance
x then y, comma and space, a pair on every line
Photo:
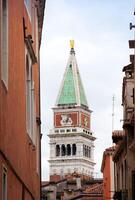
71, 139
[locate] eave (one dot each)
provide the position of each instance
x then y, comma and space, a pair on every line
41, 8
119, 148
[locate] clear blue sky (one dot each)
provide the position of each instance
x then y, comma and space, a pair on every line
101, 33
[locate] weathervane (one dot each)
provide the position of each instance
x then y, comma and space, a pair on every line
72, 44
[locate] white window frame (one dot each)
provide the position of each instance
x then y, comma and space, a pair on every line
28, 7
4, 43
30, 99
36, 33
4, 183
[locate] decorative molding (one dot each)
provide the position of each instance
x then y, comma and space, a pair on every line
28, 41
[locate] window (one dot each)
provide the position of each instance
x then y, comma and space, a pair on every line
30, 100
74, 149
68, 149
4, 42
57, 150
36, 32
28, 6
84, 150
89, 153
63, 150
74, 130
4, 184
62, 131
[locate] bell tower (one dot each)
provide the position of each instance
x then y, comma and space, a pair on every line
71, 139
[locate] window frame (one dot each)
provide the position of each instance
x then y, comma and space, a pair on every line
4, 43
4, 183
30, 99
28, 5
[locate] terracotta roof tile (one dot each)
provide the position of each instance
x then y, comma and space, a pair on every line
118, 133
112, 149
95, 188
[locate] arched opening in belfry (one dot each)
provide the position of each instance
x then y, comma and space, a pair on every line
63, 150
68, 149
85, 150
74, 149
57, 150
89, 152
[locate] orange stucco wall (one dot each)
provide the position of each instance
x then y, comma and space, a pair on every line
16, 151
107, 178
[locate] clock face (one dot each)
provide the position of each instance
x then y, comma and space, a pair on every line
66, 120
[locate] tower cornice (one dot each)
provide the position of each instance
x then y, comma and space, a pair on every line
59, 135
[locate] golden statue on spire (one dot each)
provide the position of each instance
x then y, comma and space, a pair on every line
72, 44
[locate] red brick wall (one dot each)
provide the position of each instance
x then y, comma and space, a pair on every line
78, 118
85, 124
57, 118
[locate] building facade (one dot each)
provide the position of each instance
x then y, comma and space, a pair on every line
20, 36
71, 139
120, 165
107, 169
124, 162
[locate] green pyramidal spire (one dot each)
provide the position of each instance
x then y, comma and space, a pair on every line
71, 90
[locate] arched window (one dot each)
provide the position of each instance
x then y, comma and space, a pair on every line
86, 151
74, 149
57, 150
85, 154
83, 150
63, 150
68, 149
89, 152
